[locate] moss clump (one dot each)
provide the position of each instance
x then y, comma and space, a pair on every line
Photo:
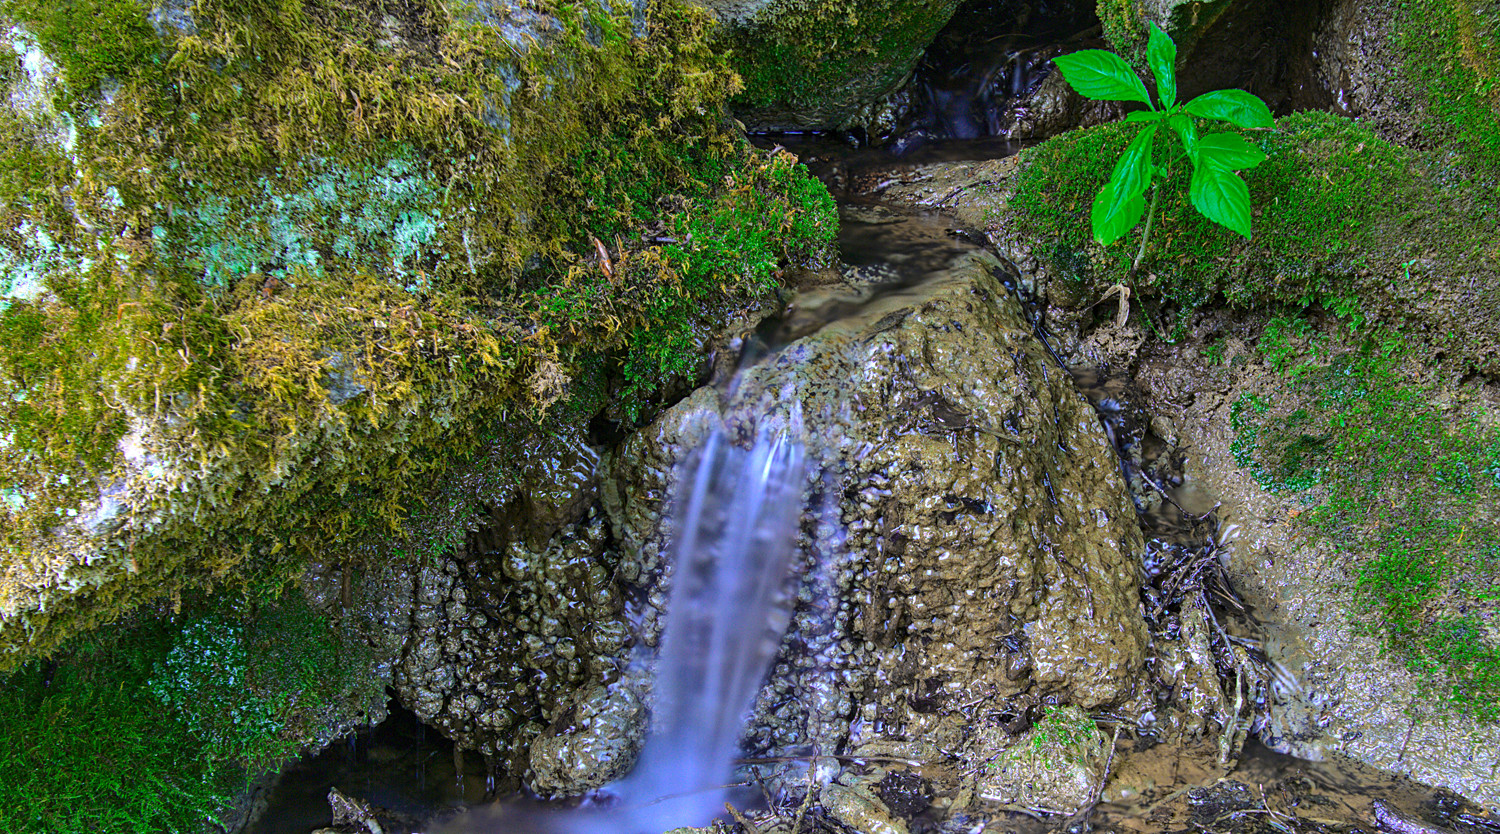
110, 736
1125, 28
1340, 216
116, 42
1452, 51
1405, 479
259, 684
308, 254
822, 54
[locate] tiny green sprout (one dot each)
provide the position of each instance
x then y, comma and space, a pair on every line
1216, 188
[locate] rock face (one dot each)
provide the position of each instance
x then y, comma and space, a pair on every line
1353, 698
352, 289
970, 552
824, 64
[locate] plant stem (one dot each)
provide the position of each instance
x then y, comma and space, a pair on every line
1146, 234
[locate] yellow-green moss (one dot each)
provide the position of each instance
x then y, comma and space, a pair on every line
817, 54
308, 253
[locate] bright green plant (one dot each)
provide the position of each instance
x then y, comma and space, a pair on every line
1216, 188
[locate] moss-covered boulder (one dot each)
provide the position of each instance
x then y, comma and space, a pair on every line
270, 266
821, 64
1421, 74
1341, 218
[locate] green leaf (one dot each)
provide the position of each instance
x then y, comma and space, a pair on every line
1161, 56
1132, 172
1110, 225
1234, 106
1222, 197
1229, 151
1097, 74
1188, 131
1146, 116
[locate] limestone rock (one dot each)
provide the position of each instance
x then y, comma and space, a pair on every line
971, 546
825, 64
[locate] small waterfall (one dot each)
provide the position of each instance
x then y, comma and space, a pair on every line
733, 535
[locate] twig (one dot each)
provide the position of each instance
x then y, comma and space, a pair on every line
740, 818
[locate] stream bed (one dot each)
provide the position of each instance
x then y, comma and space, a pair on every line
1231, 783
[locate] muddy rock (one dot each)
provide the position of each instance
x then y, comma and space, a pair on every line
1058, 766
969, 550
1343, 693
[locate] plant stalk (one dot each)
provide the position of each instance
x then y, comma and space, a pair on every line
1146, 233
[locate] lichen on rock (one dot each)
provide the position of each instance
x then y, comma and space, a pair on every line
286, 259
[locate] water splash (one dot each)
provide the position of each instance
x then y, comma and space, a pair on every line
733, 533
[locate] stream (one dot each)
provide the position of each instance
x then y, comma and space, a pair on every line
740, 524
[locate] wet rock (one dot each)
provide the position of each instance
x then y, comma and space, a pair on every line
1056, 767
969, 501
1339, 692
1054, 108
351, 813
825, 64
551, 624
594, 742
858, 809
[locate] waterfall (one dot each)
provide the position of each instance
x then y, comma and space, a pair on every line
733, 531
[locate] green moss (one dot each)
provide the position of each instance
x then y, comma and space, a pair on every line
154, 724
92, 40
86, 748
1125, 28
1339, 214
1403, 479
306, 261
258, 685
1452, 50
811, 54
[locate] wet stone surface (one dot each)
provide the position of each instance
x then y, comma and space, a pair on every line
970, 552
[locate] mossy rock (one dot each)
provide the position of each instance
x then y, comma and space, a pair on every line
270, 268
821, 64
1126, 22
1424, 73
1341, 218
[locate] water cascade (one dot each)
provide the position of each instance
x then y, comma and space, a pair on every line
735, 524
734, 532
